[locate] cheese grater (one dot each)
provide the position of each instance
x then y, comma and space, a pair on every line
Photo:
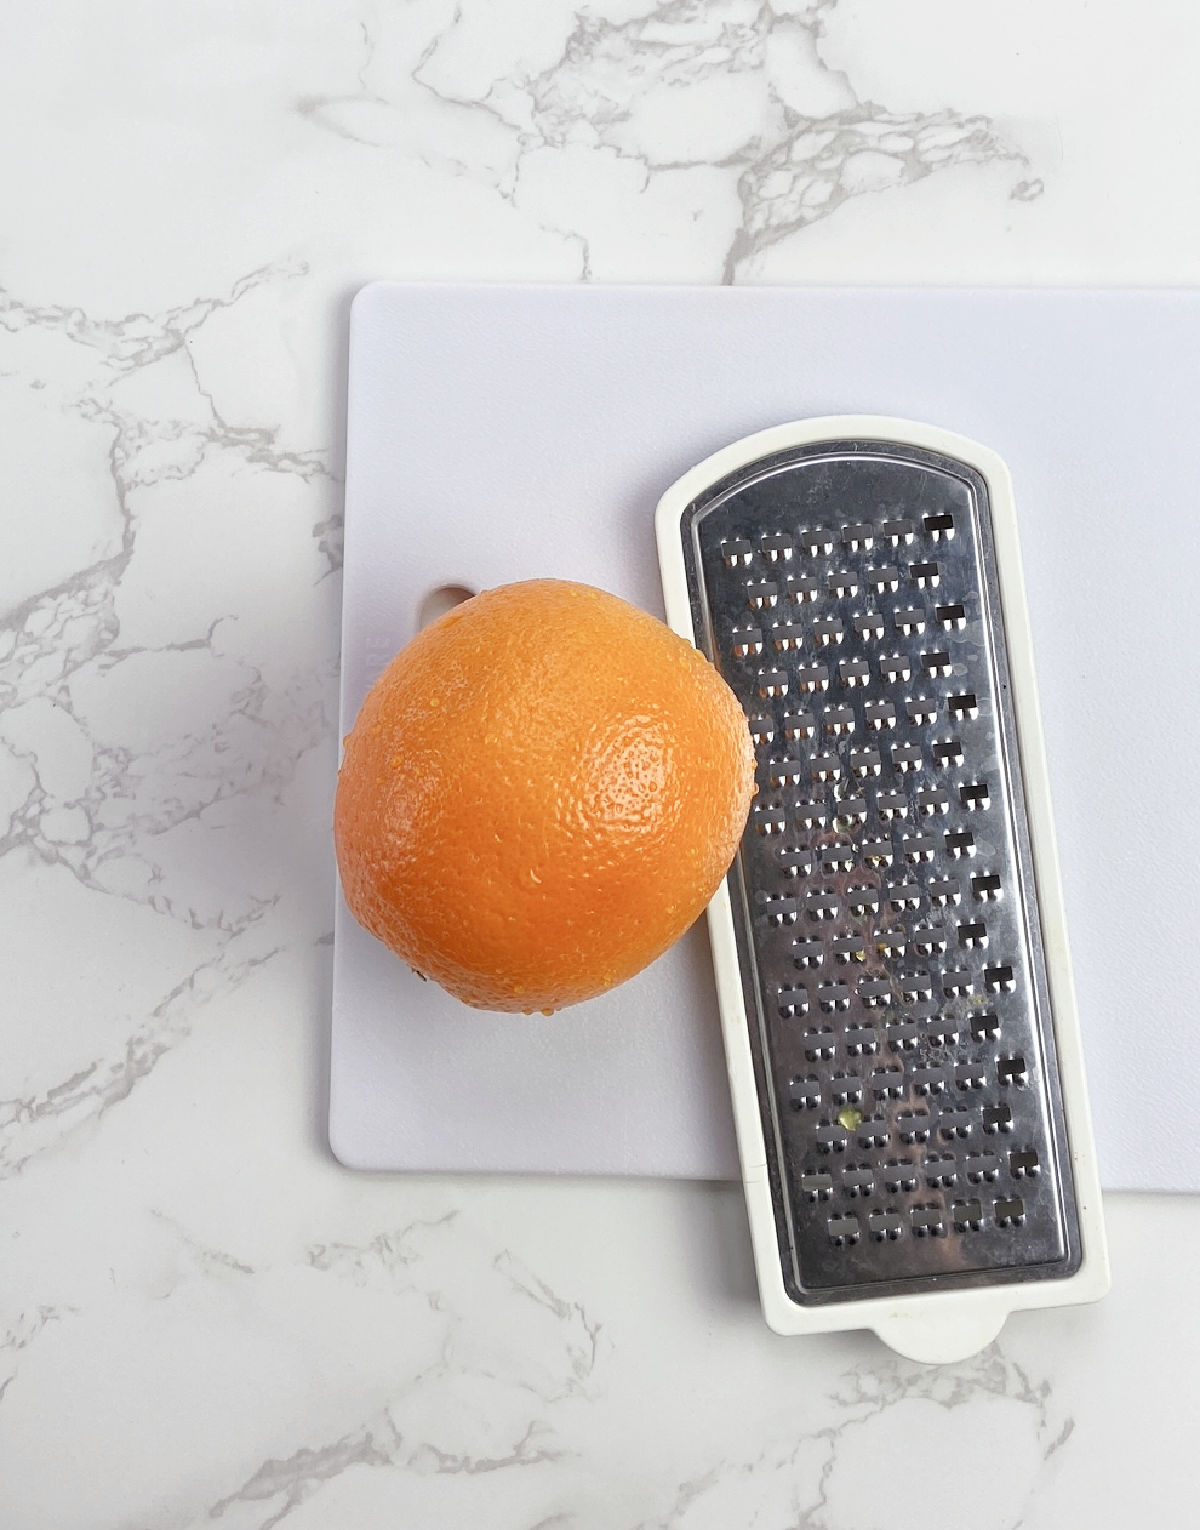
890, 950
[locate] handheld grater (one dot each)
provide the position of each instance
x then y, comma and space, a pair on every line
890, 948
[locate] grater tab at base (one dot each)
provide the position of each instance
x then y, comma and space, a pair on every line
895, 986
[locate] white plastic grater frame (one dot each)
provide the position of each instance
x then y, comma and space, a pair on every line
938, 1326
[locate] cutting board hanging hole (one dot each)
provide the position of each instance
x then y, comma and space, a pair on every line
440, 600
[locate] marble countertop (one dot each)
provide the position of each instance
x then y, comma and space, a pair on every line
203, 1320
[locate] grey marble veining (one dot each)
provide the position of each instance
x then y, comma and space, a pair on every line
794, 138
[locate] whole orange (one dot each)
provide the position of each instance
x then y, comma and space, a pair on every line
540, 794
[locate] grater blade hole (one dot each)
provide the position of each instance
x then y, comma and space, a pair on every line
928, 1222
887, 1083
904, 895
787, 772
947, 752
850, 811
913, 1126
869, 626
895, 668
812, 812
890, 805
982, 1168
929, 940
952, 617
777, 909
787, 635
826, 766
854, 673
885, 1225
761, 594
799, 588
916, 987
831, 1137
968, 1215
812, 677
793, 1002
906, 757
865, 763
1023, 1163
873, 1133
746, 641
799, 725
827, 631
772, 683
805, 1092
910, 619
795, 861
816, 541
807, 951
899, 1176
833, 996
898, 532
919, 849
929, 1081
768, 820
984, 1026
903, 1036
849, 948
1010, 1211
1012, 1071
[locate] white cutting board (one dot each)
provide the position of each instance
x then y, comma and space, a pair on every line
501, 433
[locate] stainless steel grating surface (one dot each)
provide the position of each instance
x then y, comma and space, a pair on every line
884, 895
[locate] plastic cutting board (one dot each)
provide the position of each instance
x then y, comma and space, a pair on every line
501, 433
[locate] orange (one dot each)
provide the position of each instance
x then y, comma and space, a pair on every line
540, 794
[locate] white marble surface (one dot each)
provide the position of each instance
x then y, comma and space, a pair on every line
202, 1319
